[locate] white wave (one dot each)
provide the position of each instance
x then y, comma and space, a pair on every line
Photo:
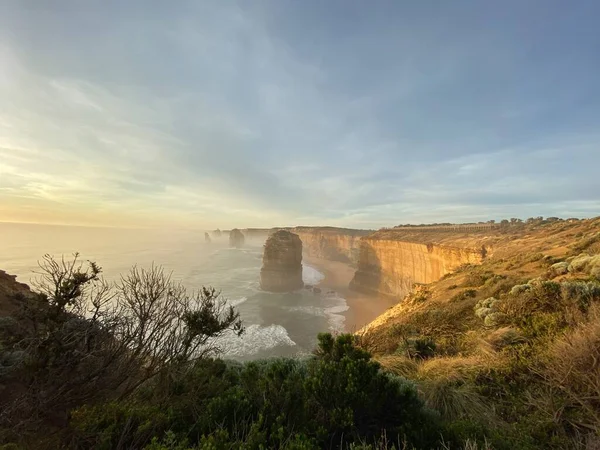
255, 339
238, 301
313, 310
333, 308
334, 312
310, 275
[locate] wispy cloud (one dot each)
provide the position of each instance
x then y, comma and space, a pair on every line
225, 114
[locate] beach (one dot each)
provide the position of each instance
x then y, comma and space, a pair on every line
362, 308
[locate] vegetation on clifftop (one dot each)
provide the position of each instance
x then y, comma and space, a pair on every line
508, 347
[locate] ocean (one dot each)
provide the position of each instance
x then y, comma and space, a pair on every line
277, 324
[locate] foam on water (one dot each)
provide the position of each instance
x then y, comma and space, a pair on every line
310, 275
332, 308
255, 339
337, 305
238, 301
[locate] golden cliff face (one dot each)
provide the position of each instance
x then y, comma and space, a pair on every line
336, 244
392, 267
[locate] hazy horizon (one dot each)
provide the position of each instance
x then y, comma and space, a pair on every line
204, 115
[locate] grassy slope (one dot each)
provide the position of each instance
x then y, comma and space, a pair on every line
506, 372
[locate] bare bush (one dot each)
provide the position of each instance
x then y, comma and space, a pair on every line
83, 340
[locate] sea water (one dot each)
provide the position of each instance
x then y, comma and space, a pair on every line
277, 324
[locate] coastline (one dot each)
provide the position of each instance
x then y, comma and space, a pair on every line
362, 308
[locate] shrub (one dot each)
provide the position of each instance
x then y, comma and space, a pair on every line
476, 278
339, 396
487, 307
519, 288
467, 293
504, 337
559, 268
494, 319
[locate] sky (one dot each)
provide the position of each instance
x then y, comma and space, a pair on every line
285, 112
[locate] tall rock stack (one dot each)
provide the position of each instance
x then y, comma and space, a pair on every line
236, 238
217, 233
282, 263
207, 238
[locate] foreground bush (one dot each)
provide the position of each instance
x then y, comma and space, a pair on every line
337, 398
79, 340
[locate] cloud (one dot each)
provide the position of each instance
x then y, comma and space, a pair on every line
231, 114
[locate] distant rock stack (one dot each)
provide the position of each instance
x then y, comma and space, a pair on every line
207, 238
282, 263
217, 233
236, 238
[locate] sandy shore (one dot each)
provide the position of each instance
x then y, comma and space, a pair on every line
362, 308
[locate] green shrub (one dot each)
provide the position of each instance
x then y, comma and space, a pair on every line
467, 293
338, 396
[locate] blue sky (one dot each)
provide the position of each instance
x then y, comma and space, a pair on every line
263, 113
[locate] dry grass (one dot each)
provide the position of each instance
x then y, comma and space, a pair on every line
399, 365
445, 384
504, 337
573, 368
455, 400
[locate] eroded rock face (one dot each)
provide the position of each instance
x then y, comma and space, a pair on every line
392, 267
282, 263
236, 238
207, 238
217, 233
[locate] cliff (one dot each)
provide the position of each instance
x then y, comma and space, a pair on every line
392, 267
282, 263
336, 244
236, 238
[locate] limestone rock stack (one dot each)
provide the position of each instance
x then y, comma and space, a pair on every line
236, 238
282, 263
216, 233
207, 238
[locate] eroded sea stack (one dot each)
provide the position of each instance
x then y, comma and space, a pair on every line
282, 263
207, 238
236, 238
217, 233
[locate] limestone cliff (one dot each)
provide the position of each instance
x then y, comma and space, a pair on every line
391, 263
236, 238
337, 244
282, 263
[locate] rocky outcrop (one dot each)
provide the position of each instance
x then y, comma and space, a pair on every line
392, 266
336, 244
207, 238
217, 233
282, 263
10, 293
236, 238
